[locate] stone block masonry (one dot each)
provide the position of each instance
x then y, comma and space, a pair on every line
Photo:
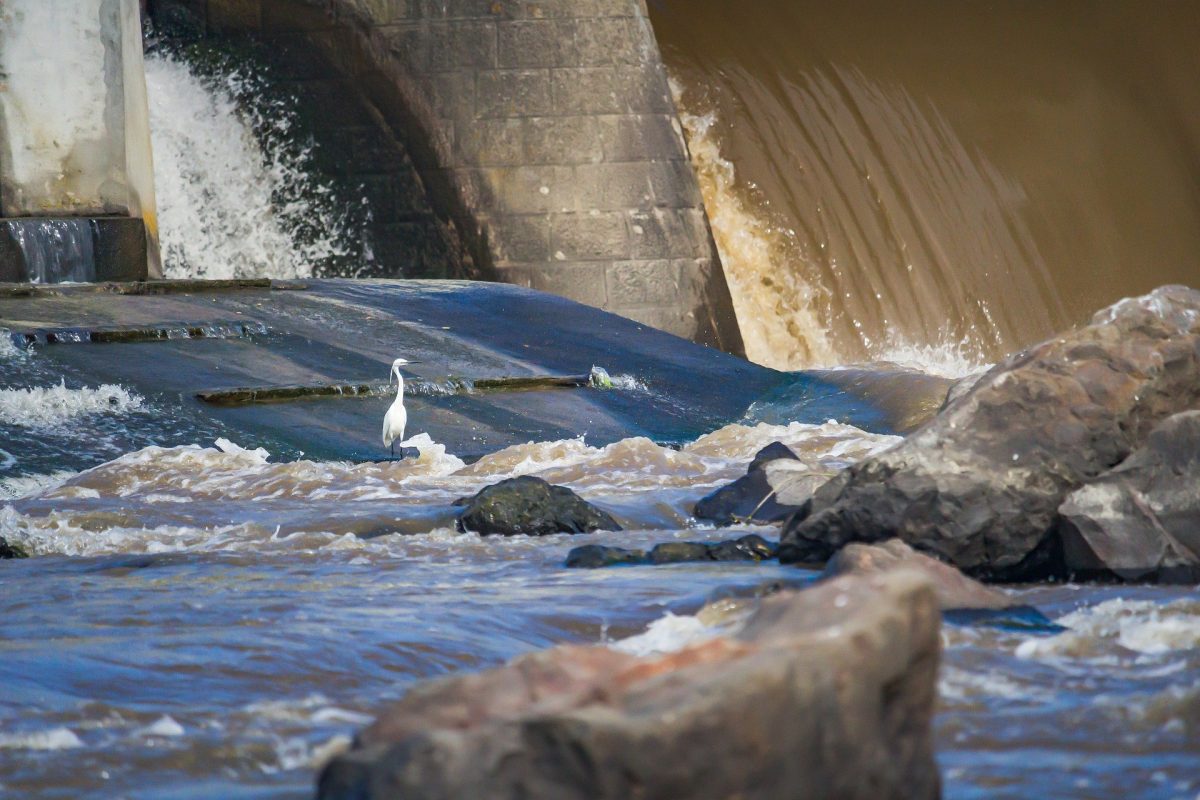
543, 131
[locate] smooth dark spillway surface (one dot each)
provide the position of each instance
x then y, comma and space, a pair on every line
171, 343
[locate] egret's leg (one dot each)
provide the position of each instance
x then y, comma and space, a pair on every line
393, 446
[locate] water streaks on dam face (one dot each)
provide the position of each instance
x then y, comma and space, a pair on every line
963, 178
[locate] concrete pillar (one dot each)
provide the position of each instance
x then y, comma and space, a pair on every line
74, 121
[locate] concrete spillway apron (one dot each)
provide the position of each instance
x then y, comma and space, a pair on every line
185, 346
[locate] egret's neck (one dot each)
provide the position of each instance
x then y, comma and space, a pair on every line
399, 382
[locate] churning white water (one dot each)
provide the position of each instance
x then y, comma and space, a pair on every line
227, 206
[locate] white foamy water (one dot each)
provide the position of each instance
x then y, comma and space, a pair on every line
53, 739
944, 360
7, 348
667, 634
1140, 626
50, 407
226, 497
227, 207
784, 308
12, 488
780, 324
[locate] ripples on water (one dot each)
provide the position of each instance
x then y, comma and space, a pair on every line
203, 620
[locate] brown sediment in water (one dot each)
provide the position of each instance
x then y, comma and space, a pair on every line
961, 175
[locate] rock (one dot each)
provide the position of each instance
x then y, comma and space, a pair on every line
531, 506
774, 487
750, 547
676, 552
1141, 520
955, 591
775, 451
980, 485
824, 693
11, 550
591, 556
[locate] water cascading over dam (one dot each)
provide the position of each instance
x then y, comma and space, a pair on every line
938, 183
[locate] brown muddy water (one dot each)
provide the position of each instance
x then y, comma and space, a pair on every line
921, 180
934, 184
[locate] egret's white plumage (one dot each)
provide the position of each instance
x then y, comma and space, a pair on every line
396, 417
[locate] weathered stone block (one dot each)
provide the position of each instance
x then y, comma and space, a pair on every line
536, 189
629, 137
513, 93
518, 239
582, 282
591, 236
453, 95
562, 140
609, 41
668, 233
459, 45
493, 142
536, 43
633, 283
592, 90
408, 44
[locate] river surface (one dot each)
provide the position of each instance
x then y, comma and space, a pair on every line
934, 185
201, 621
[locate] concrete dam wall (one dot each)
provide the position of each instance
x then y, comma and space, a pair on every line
540, 137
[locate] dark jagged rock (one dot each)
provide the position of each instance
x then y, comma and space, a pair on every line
677, 552
823, 693
772, 452
955, 591
980, 485
593, 556
750, 547
774, 486
11, 550
1141, 520
531, 506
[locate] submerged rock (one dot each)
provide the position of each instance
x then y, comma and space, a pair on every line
775, 485
592, 556
823, 693
1141, 520
980, 485
531, 506
955, 591
750, 547
11, 550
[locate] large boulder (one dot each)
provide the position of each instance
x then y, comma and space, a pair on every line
774, 487
980, 485
531, 506
824, 693
1141, 520
955, 591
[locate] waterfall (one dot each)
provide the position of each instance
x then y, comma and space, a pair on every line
233, 202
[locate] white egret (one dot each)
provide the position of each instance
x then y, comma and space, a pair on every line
396, 417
